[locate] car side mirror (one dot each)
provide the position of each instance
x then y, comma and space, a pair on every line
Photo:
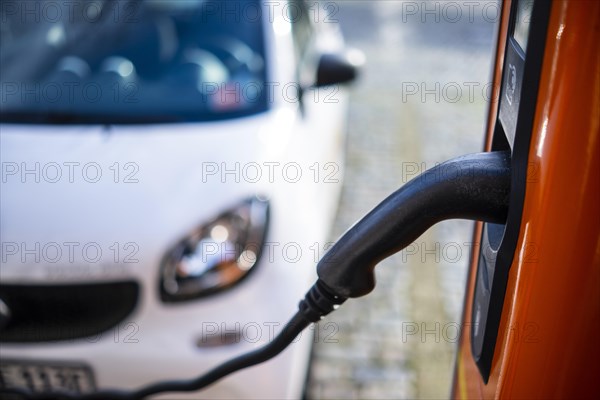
338, 68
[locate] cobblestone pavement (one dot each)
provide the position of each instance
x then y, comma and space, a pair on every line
421, 99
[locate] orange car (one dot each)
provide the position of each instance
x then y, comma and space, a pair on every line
533, 296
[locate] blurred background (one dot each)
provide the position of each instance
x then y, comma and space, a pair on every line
422, 98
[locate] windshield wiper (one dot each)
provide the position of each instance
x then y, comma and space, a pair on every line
66, 118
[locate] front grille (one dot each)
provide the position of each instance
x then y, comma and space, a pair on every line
40, 313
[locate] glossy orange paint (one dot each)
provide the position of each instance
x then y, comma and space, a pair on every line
548, 343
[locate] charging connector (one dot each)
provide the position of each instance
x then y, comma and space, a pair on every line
474, 187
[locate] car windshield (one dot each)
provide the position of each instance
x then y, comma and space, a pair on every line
115, 62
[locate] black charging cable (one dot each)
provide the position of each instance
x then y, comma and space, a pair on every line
318, 302
474, 187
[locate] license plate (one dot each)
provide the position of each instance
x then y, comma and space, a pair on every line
46, 376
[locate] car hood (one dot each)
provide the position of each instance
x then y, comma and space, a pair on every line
139, 188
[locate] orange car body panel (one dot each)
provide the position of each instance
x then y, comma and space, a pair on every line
548, 343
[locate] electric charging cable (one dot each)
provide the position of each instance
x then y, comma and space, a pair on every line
474, 187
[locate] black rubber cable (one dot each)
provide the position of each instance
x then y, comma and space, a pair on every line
279, 343
318, 302
475, 186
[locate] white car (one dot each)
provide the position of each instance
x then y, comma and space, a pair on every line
170, 172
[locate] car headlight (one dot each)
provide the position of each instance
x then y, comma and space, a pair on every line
217, 255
